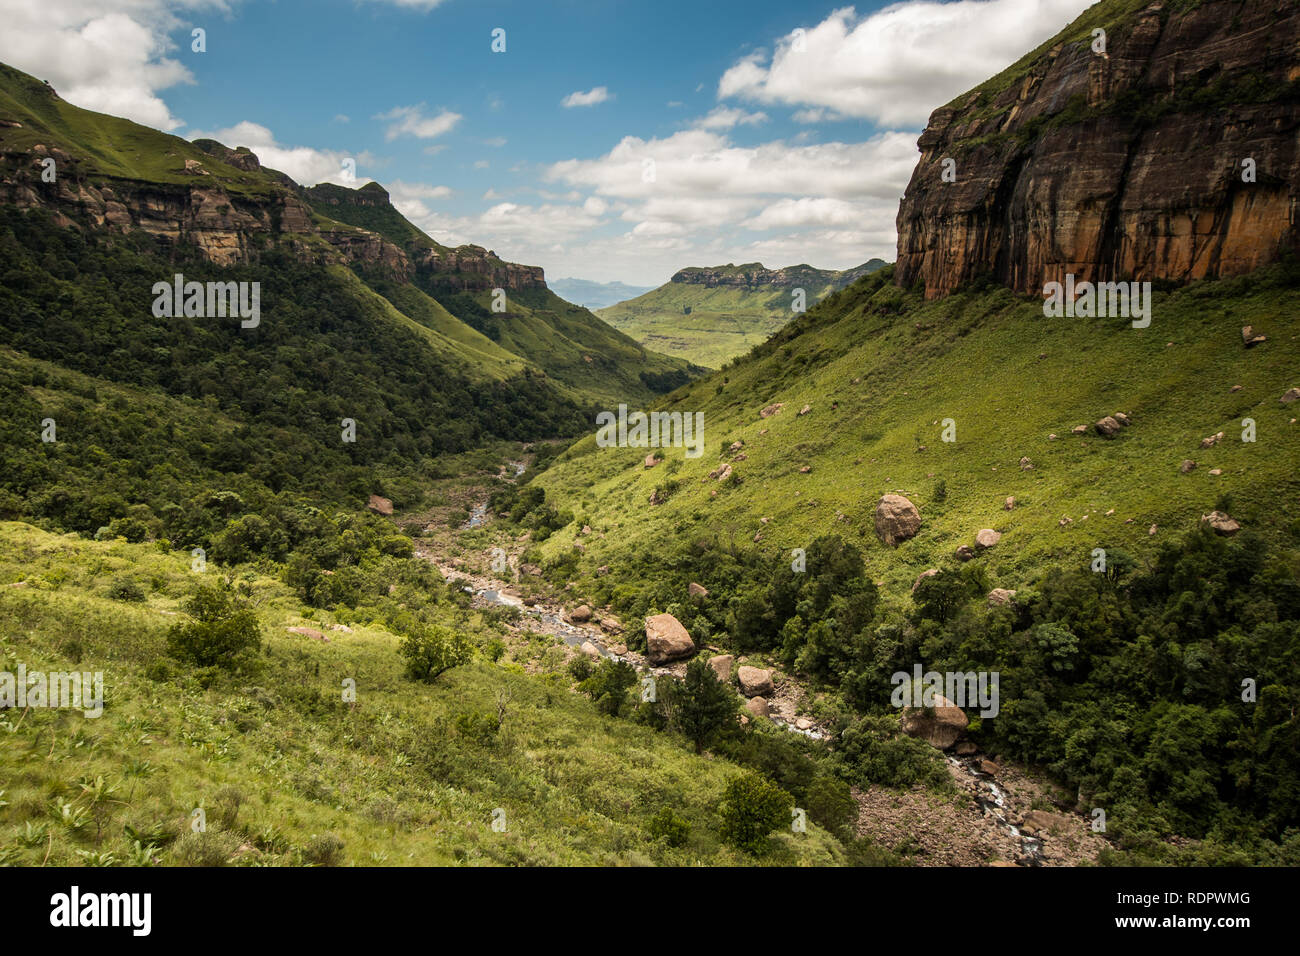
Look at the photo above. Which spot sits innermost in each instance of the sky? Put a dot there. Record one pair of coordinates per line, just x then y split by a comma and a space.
600, 139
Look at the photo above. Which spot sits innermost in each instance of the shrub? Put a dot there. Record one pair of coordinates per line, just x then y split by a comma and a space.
752, 808
608, 685
222, 631
431, 649
670, 827
125, 589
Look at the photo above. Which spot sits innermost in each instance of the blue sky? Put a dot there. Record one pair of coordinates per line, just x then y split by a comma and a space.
611, 140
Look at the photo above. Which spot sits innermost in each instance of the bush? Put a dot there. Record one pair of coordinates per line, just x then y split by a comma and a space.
125, 589
668, 826
608, 685
324, 850
222, 631
751, 809
431, 649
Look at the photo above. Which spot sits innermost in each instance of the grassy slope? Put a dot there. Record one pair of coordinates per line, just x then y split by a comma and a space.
724, 322
973, 358
386, 777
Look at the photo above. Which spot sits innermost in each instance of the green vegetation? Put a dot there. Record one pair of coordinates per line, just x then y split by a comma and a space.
711, 325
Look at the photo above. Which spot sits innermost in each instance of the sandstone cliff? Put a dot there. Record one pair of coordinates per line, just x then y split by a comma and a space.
1122, 164
754, 274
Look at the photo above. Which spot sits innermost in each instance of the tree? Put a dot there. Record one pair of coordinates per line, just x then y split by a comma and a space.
431, 649
608, 685
222, 631
701, 705
752, 807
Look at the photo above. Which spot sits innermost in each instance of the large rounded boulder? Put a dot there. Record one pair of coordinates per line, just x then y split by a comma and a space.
666, 640
896, 519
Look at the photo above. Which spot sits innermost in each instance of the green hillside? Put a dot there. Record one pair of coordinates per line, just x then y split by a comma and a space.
710, 325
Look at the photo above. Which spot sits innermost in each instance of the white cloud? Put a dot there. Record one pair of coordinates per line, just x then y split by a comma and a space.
593, 96
111, 56
342, 118
496, 142
808, 211
411, 4
896, 65
724, 118
303, 164
411, 121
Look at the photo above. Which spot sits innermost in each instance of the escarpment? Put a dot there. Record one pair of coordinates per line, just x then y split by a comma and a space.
1165, 148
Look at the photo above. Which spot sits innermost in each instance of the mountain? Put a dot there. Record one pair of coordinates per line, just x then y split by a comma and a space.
113, 175
596, 295
1170, 154
1079, 484
711, 315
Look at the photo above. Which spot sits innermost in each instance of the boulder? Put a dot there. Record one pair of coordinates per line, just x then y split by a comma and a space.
1107, 426
940, 729
651, 460
896, 519
1000, 596
1212, 440
666, 639
1026, 464
697, 592
1009, 503
590, 649
380, 505
721, 473
1121, 418
736, 445
1039, 821
1292, 394
805, 410
311, 632
964, 552
966, 748
580, 614
721, 664
988, 767
771, 410
758, 706
803, 723
1249, 338
1079, 430
1220, 523
927, 573
987, 538
1187, 465
755, 681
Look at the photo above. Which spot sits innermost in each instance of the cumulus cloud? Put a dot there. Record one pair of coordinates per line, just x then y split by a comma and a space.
724, 118
303, 164
411, 121
894, 66
113, 56
593, 96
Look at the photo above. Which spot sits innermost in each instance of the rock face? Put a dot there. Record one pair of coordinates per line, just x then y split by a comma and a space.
755, 681
666, 640
940, 730
750, 275
896, 519
1056, 174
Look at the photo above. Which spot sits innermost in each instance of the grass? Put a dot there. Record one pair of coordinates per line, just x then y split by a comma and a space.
898, 367
287, 773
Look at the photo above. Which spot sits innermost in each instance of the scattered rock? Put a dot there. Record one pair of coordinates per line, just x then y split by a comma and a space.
1000, 596
927, 573
1009, 503
1121, 418
805, 410
1290, 396
758, 706
1079, 430
1187, 465
1152, 530
651, 460
580, 614
1216, 472
721, 664
1026, 464
1108, 426
380, 505
966, 748
1248, 337
1052, 436
940, 730
666, 639
988, 767
771, 410
803, 723
963, 552
1220, 523
755, 681
986, 538
737, 445
805, 469
1212, 440
620, 650
590, 649
1235, 388
721, 473
896, 519
311, 632
1038, 821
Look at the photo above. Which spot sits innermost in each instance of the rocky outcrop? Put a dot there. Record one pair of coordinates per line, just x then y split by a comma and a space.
1172, 155
754, 274
940, 727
